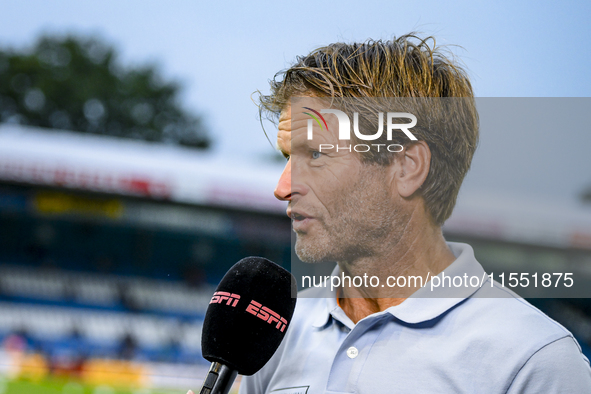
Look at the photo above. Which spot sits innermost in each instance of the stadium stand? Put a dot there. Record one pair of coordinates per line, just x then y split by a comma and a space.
110, 250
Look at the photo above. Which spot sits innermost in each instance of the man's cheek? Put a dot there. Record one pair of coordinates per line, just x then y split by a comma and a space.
337, 174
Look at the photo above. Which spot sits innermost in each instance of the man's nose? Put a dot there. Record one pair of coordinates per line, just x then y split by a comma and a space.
283, 188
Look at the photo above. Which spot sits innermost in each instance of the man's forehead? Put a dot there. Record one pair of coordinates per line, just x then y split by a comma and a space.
285, 113
284, 133
298, 106
296, 113
285, 120
294, 119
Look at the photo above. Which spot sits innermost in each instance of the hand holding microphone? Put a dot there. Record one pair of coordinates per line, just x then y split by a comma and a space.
246, 321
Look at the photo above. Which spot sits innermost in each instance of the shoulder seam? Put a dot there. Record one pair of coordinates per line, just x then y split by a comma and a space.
533, 354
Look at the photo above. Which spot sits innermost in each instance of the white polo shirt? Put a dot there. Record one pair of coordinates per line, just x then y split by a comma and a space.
485, 340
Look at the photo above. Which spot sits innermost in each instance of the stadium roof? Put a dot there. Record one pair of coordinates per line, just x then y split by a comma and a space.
135, 168
157, 171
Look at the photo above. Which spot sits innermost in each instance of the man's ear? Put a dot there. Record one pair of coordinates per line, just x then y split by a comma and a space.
412, 166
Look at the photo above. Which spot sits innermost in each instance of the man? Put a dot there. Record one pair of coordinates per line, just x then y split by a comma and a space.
375, 204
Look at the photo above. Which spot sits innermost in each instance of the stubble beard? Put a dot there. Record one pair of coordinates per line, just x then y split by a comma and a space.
361, 224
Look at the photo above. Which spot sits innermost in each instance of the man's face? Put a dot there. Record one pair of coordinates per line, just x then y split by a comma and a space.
341, 209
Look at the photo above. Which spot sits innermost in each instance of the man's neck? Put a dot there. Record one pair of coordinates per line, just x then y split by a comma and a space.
420, 252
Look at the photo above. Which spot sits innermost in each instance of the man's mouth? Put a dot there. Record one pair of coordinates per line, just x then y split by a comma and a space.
297, 216
299, 220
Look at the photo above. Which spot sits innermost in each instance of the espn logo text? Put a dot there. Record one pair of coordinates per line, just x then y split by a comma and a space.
266, 314
221, 296
254, 308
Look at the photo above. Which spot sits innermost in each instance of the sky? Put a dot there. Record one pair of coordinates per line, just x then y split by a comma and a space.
222, 52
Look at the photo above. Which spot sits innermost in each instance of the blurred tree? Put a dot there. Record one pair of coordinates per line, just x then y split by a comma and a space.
586, 195
76, 84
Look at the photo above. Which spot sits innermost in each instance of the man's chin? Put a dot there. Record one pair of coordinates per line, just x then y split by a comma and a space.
310, 252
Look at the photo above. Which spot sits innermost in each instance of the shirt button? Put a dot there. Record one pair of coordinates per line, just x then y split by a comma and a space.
352, 352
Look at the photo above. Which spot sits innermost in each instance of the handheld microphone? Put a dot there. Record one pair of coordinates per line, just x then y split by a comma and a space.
246, 321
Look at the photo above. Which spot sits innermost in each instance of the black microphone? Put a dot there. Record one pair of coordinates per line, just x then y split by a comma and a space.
246, 321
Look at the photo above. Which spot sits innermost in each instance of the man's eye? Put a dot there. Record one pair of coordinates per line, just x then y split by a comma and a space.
316, 154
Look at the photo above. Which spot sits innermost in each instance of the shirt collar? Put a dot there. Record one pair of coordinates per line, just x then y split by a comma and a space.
330, 306
426, 303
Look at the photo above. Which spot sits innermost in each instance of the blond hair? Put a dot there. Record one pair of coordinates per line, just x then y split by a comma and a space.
416, 73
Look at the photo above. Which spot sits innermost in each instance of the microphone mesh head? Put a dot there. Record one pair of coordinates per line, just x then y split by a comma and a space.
248, 315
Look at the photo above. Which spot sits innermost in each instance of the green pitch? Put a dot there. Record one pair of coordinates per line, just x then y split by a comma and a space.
54, 386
